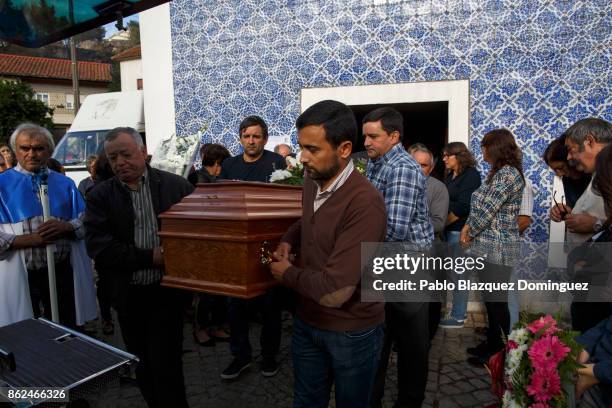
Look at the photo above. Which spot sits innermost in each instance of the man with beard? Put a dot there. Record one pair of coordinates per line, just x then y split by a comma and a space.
336, 337
404, 187
254, 164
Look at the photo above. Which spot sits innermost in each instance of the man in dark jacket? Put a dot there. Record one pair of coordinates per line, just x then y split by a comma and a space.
121, 233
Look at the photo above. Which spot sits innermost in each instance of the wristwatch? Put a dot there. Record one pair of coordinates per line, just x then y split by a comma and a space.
598, 225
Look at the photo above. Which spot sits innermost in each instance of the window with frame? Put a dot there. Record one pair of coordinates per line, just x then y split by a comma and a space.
69, 101
43, 97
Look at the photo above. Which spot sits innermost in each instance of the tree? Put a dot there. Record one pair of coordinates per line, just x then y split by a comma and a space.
17, 105
97, 35
133, 28
115, 85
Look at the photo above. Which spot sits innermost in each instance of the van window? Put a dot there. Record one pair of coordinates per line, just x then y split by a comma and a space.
75, 147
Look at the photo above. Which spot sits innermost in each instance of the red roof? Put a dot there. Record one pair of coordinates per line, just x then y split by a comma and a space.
25, 66
129, 54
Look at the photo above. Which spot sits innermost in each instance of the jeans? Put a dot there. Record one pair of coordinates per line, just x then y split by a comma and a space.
322, 358
460, 297
239, 312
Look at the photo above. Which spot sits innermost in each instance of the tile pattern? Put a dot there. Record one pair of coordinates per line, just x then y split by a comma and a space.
535, 66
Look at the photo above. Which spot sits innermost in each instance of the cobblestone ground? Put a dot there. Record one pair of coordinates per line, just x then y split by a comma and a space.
451, 383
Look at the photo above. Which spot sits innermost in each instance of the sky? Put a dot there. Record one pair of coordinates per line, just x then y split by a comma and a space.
111, 29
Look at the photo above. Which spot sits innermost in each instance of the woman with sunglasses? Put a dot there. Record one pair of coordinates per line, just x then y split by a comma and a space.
574, 181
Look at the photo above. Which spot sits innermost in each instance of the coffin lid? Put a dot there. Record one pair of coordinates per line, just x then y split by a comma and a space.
239, 201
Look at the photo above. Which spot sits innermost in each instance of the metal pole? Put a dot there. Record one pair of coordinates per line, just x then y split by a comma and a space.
75, 76
73, 63
44, 200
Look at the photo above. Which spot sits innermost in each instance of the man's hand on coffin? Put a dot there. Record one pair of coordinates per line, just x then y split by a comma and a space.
158, 257
282, 251
52, 230
282, 263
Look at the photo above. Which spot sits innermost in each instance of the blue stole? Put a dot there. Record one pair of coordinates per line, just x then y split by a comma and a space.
18, 201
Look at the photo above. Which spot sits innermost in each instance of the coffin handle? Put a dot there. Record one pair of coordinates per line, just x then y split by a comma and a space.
265, 256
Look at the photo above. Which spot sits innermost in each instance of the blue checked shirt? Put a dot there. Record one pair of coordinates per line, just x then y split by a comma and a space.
494, 210
404, 187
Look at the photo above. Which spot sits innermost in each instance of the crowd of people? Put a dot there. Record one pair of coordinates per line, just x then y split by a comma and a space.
337, 338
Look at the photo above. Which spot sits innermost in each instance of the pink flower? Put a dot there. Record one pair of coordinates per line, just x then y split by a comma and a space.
511, 345
546, 323
545, 385
547, 352
539, 405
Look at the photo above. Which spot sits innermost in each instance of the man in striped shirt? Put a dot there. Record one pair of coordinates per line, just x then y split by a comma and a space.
121, 232
404, 187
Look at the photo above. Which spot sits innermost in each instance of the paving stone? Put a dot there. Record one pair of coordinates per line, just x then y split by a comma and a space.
478, 383
447, 402
464, 386
449, 389
483, 395
451, 381
466, 400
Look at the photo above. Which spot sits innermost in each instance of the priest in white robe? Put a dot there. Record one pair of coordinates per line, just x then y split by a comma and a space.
24, 235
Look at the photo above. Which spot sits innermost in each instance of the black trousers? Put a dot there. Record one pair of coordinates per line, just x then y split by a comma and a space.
496, 303
103, 291
38, 280
240, 311
435, 308
407, 326
152, 327
211, 311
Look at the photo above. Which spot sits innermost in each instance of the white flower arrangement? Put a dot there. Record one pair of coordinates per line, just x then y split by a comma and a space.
280, 175
292, 175
519, 336
175, 154
509, 402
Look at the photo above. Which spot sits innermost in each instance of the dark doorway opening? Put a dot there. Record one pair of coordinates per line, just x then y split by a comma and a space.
424, 122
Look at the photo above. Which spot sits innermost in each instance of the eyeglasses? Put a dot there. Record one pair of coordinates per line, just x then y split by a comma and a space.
445, 155
561, 206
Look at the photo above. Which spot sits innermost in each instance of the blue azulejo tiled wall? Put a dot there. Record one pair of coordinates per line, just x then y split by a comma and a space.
534, 66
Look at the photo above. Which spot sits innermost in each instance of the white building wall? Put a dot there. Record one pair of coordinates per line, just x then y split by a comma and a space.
156, 49
131, 72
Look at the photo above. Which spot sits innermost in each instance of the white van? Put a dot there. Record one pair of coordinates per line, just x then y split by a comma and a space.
98, 114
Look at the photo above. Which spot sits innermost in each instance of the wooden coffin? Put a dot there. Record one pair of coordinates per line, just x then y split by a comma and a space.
213, 238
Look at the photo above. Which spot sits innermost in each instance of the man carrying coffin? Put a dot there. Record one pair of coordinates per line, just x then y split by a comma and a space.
254, 164
337, 338
122, 224
24, 235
